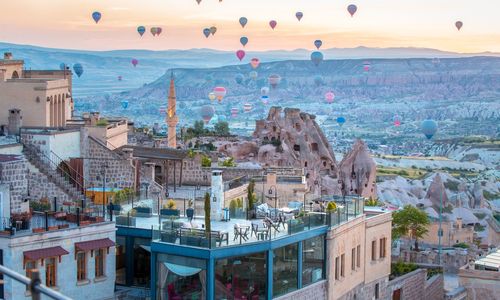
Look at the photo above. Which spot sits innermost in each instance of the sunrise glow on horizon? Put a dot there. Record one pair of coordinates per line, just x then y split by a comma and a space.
386, 23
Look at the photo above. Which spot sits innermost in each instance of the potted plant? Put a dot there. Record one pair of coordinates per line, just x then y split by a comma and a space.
170, 209
143, 211
190, 210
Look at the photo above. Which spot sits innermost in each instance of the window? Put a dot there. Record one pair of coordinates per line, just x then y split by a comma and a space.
377, 292
99, 263
337, 268
285, 270
358, 256
353, 259
313, 260
50, 272
81, 266
374, 250
30, 266
382, 247
296, 147
342, 265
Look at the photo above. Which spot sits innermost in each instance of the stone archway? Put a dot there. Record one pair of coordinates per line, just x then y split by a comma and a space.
15, 75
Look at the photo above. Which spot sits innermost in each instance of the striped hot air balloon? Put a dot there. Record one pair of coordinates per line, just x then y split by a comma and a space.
247, 107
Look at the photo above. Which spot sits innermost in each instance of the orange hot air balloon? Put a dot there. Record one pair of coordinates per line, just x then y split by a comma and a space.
254, 62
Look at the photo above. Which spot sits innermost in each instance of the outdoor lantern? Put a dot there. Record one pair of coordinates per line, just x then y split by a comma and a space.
270, 191
214, 199
166, 193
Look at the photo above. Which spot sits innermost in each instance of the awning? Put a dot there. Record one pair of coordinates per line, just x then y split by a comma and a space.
183, 271
44, 253
94, 245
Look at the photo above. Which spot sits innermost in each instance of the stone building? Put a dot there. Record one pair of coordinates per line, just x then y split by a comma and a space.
14, 173
454, 232
481, 278
38, 97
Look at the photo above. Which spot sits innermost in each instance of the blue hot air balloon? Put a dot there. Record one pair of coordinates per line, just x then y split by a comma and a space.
317, 57
124, 104
318, 80
206, 32
429, 128
78, 69
239, 78
141, 30
96, 16
62, 66
318, 44
244, 40
243, 21
264, 99
341, 121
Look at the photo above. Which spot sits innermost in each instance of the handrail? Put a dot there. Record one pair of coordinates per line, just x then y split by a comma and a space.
34, 284
59, 160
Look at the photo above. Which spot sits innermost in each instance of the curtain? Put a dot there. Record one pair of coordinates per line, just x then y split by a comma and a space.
163, 281
203, 280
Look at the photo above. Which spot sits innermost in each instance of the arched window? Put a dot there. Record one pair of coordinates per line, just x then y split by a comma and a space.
15, 75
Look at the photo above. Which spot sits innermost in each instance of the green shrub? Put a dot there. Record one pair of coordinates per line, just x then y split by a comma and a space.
229, 163
102, 123
331, 207
461, 245
400, 268
206, 161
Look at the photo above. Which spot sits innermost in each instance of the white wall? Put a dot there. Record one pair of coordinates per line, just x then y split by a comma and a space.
64, 144
4, 204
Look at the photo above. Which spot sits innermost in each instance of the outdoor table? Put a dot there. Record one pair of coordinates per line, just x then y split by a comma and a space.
242, 232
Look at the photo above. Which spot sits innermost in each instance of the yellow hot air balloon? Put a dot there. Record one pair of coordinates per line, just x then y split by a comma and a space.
211, 96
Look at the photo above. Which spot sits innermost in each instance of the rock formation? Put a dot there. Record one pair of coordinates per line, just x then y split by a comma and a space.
477, 196
357, 172
436, 191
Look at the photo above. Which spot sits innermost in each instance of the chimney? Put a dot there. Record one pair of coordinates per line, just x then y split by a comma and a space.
7, 55
15, 121
217, 196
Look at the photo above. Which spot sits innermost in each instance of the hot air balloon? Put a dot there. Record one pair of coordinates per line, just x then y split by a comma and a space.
274, 80
211, 96
264, 99
316, 57
397, 121
213, 30
255, 62
124, 104
318, 80
162, 110
119, 78
341, 121
299, 15
222, 118
239, 78
264, 91
158, 30
206, 32
273, 24
134, 62
141, 30
366, 66
436, 61
244, 40
253, 75
247, 107
96, 16
429, 128
329, 96
318, 44
459, 24
206, 113
154, 31
198, 1
352, 9
240, 54
78, 69
62, 66
243, 22
219, 92
234, 112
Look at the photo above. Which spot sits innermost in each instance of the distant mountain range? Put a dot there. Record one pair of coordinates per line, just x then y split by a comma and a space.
102, 68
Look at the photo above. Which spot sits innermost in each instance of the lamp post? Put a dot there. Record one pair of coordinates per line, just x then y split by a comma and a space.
440, 230
270, 192
196, 188
104, 198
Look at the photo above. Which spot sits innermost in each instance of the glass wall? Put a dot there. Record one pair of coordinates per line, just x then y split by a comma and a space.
313, 260
142, 262
285, 268
180, 277
121, 266
242, 277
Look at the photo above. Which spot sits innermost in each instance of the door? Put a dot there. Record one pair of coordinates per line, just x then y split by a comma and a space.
396, 295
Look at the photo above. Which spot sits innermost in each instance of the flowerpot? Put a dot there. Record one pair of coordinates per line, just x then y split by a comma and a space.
169, 212
84, 223
53, 228
63, 226
38, 230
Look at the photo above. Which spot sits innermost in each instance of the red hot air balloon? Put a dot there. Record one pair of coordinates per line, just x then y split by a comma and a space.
459, 25
366, 66
240, 54
219, 92
135, 62
158, 30
255, 62
352, 9
273, 24
329, 96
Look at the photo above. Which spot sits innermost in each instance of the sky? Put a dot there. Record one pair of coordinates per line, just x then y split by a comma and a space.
377, 23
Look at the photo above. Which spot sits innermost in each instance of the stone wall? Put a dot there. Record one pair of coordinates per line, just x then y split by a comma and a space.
367, 291
434, 288
480, 284
316, 291
40, 187
411, 285
120, 173
452, 260
14, 173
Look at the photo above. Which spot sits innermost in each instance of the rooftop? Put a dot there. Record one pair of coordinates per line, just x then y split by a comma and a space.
9, 158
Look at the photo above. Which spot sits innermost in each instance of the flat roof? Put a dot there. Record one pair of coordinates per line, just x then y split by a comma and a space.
155, 153
491, 260
9, 158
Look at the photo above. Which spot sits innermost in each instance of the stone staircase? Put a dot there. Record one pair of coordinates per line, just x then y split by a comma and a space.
53, 172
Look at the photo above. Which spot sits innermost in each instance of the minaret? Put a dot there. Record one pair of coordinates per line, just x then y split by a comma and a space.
172, 118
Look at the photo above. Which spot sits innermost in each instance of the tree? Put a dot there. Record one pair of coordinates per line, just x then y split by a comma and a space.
198, 128
221, 128
411, 222
251, 195
207, 214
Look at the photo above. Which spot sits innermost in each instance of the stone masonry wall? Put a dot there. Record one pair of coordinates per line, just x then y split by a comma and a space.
40, 187
367, 291
434, 288
412, 285
14, 173
316, 291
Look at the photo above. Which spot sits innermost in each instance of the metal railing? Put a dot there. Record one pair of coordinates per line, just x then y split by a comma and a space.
34, 284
